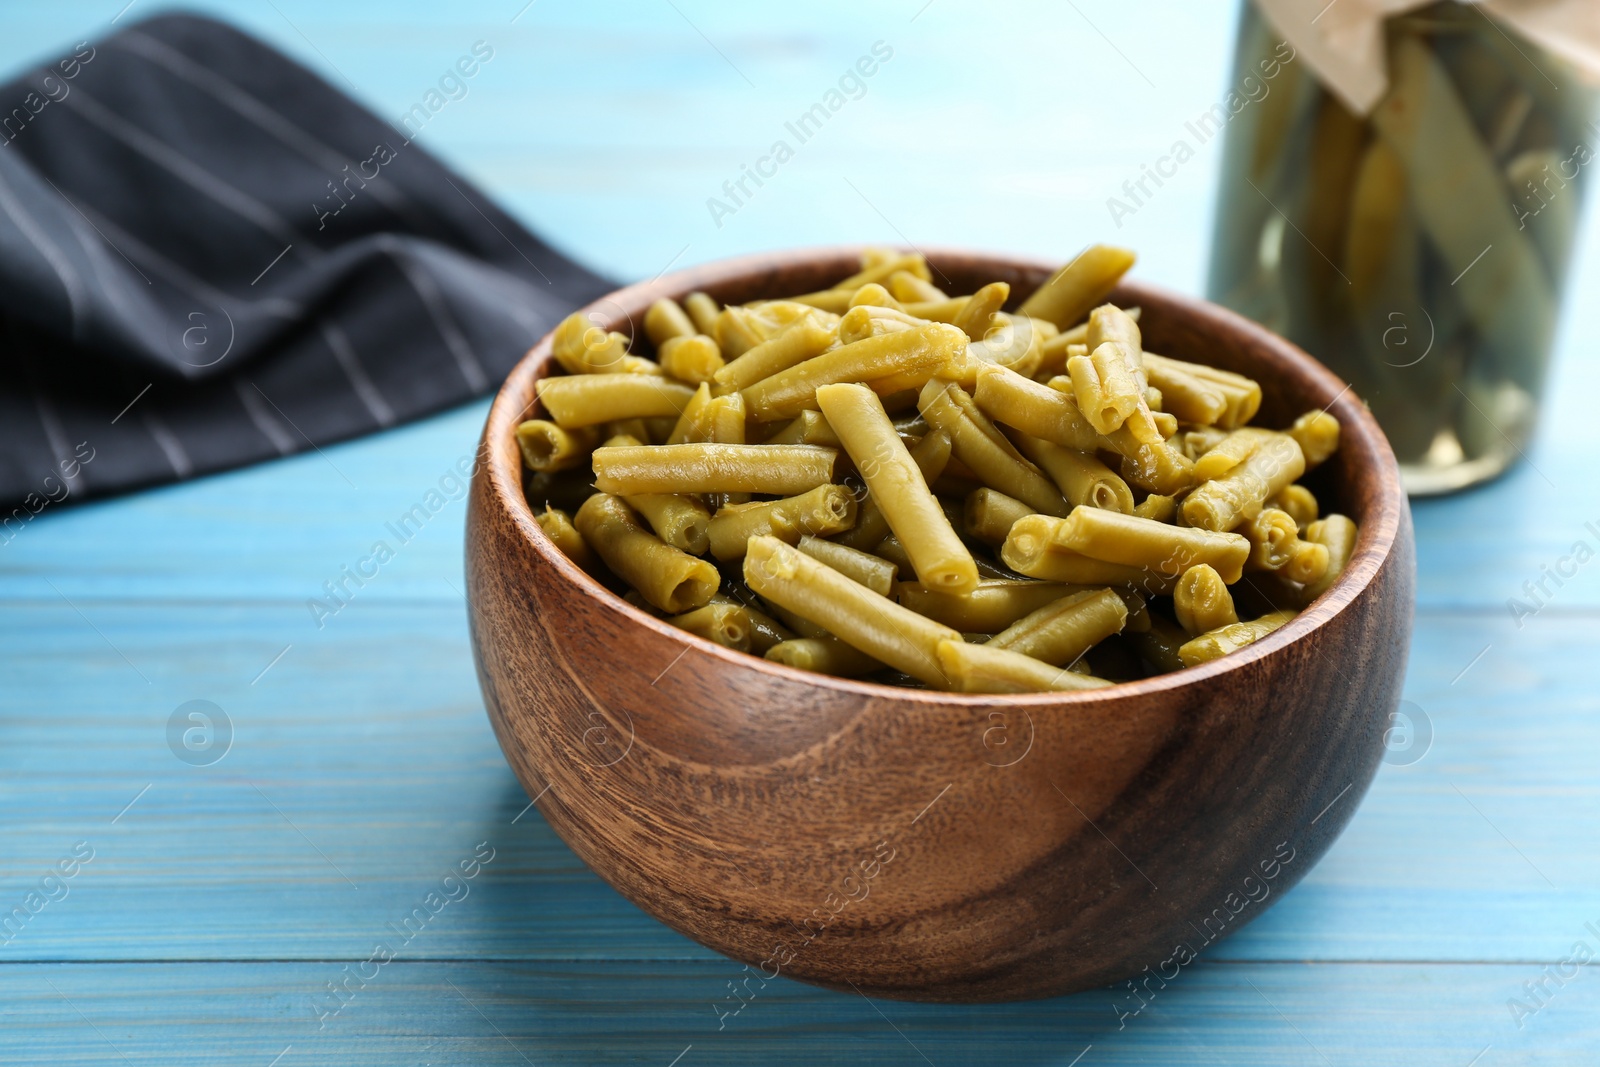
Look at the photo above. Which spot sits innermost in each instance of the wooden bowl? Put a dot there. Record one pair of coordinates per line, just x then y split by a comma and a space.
931, 846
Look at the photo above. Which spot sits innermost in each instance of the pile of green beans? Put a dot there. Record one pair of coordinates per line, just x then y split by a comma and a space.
884, 481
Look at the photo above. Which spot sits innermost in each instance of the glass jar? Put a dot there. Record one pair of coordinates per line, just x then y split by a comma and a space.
1419, 251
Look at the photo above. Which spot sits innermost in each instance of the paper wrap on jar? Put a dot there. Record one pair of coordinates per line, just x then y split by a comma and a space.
1342, 41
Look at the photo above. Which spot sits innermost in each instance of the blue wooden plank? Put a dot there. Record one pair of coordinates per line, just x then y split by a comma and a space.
1432, 1015
562, 146
345, 797
272, 532
714, 84
364, 753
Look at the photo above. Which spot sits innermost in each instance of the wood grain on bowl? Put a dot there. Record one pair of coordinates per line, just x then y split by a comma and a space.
928, 845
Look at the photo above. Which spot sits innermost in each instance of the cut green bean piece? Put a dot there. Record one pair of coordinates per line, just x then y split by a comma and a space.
781, 470
1082, 284
982, 669
1064, 629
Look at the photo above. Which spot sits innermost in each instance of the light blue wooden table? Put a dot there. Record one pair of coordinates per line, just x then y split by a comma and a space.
222, 900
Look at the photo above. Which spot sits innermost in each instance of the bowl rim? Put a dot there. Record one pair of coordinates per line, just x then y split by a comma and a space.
1376, 536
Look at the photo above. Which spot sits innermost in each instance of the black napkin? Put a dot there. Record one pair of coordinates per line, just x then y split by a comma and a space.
210, 256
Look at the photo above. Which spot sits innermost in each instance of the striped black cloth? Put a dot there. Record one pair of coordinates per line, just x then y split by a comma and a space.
210, 256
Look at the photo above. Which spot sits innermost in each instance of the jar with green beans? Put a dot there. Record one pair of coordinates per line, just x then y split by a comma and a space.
1419, 251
